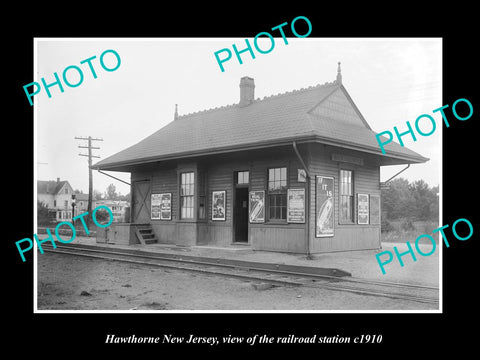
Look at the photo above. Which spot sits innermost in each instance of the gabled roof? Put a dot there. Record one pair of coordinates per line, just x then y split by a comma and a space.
50, 187
298, 115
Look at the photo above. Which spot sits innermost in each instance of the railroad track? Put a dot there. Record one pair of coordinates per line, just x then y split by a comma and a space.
250, 272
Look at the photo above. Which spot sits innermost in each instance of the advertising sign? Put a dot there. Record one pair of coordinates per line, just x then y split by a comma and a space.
161, 206
362, 209
218, 205
296, 206
324, 206
256, 202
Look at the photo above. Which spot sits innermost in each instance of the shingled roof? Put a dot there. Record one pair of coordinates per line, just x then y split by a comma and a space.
49, 186
298, 115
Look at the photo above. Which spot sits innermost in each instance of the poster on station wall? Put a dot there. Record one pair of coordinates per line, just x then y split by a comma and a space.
301, 175
256, 206
296, 206
324, 206
161, 206
363, 209
155, 206
218, 205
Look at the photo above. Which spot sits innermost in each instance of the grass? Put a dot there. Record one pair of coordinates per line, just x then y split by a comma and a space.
399, 231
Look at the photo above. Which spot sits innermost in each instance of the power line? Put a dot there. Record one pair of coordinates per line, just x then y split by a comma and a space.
90, 177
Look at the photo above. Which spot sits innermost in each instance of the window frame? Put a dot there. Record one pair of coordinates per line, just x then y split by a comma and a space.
243, 183
342, 186
191, 195
277, 193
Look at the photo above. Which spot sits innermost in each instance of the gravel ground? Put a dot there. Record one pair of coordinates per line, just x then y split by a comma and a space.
76, 283
361, 264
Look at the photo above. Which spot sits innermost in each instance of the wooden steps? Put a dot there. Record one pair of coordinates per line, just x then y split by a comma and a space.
145, 234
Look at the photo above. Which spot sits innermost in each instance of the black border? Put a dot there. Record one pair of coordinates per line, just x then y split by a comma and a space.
84, 334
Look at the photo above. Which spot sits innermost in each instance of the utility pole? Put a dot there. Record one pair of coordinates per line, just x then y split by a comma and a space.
90, 178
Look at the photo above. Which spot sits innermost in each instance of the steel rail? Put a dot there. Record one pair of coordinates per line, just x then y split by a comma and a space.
305, 278
176, 267
203, 263
193, 261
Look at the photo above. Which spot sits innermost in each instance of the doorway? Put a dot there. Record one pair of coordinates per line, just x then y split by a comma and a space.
140, 202
241, 215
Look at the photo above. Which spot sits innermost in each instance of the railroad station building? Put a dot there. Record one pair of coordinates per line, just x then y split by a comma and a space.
295, 172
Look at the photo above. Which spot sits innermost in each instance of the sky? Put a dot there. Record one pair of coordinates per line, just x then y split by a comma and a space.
391, 80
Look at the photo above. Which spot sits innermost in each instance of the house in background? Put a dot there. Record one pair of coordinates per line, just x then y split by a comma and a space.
81, 203
118, 207
57, 197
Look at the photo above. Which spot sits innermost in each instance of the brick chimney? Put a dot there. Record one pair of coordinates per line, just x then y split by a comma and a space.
247, 91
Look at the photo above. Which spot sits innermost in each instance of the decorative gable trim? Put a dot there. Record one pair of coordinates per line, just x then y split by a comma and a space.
330, 108
356, 108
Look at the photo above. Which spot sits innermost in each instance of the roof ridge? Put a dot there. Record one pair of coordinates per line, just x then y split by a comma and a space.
207, 110
301, 90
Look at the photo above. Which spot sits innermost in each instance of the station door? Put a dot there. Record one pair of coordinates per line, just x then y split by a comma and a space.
141, 192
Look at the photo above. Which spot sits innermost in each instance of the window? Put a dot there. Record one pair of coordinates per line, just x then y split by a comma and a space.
66, 203
243, 177
346, 196
277, 193
54, 203
187, 185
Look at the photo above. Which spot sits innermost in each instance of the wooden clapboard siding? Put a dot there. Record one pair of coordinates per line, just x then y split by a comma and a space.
185, 233
283, 238
366, 179
273, 236
345, 239
165, 181
219, 176
218, 234
202, 233
258, 177
165, 231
